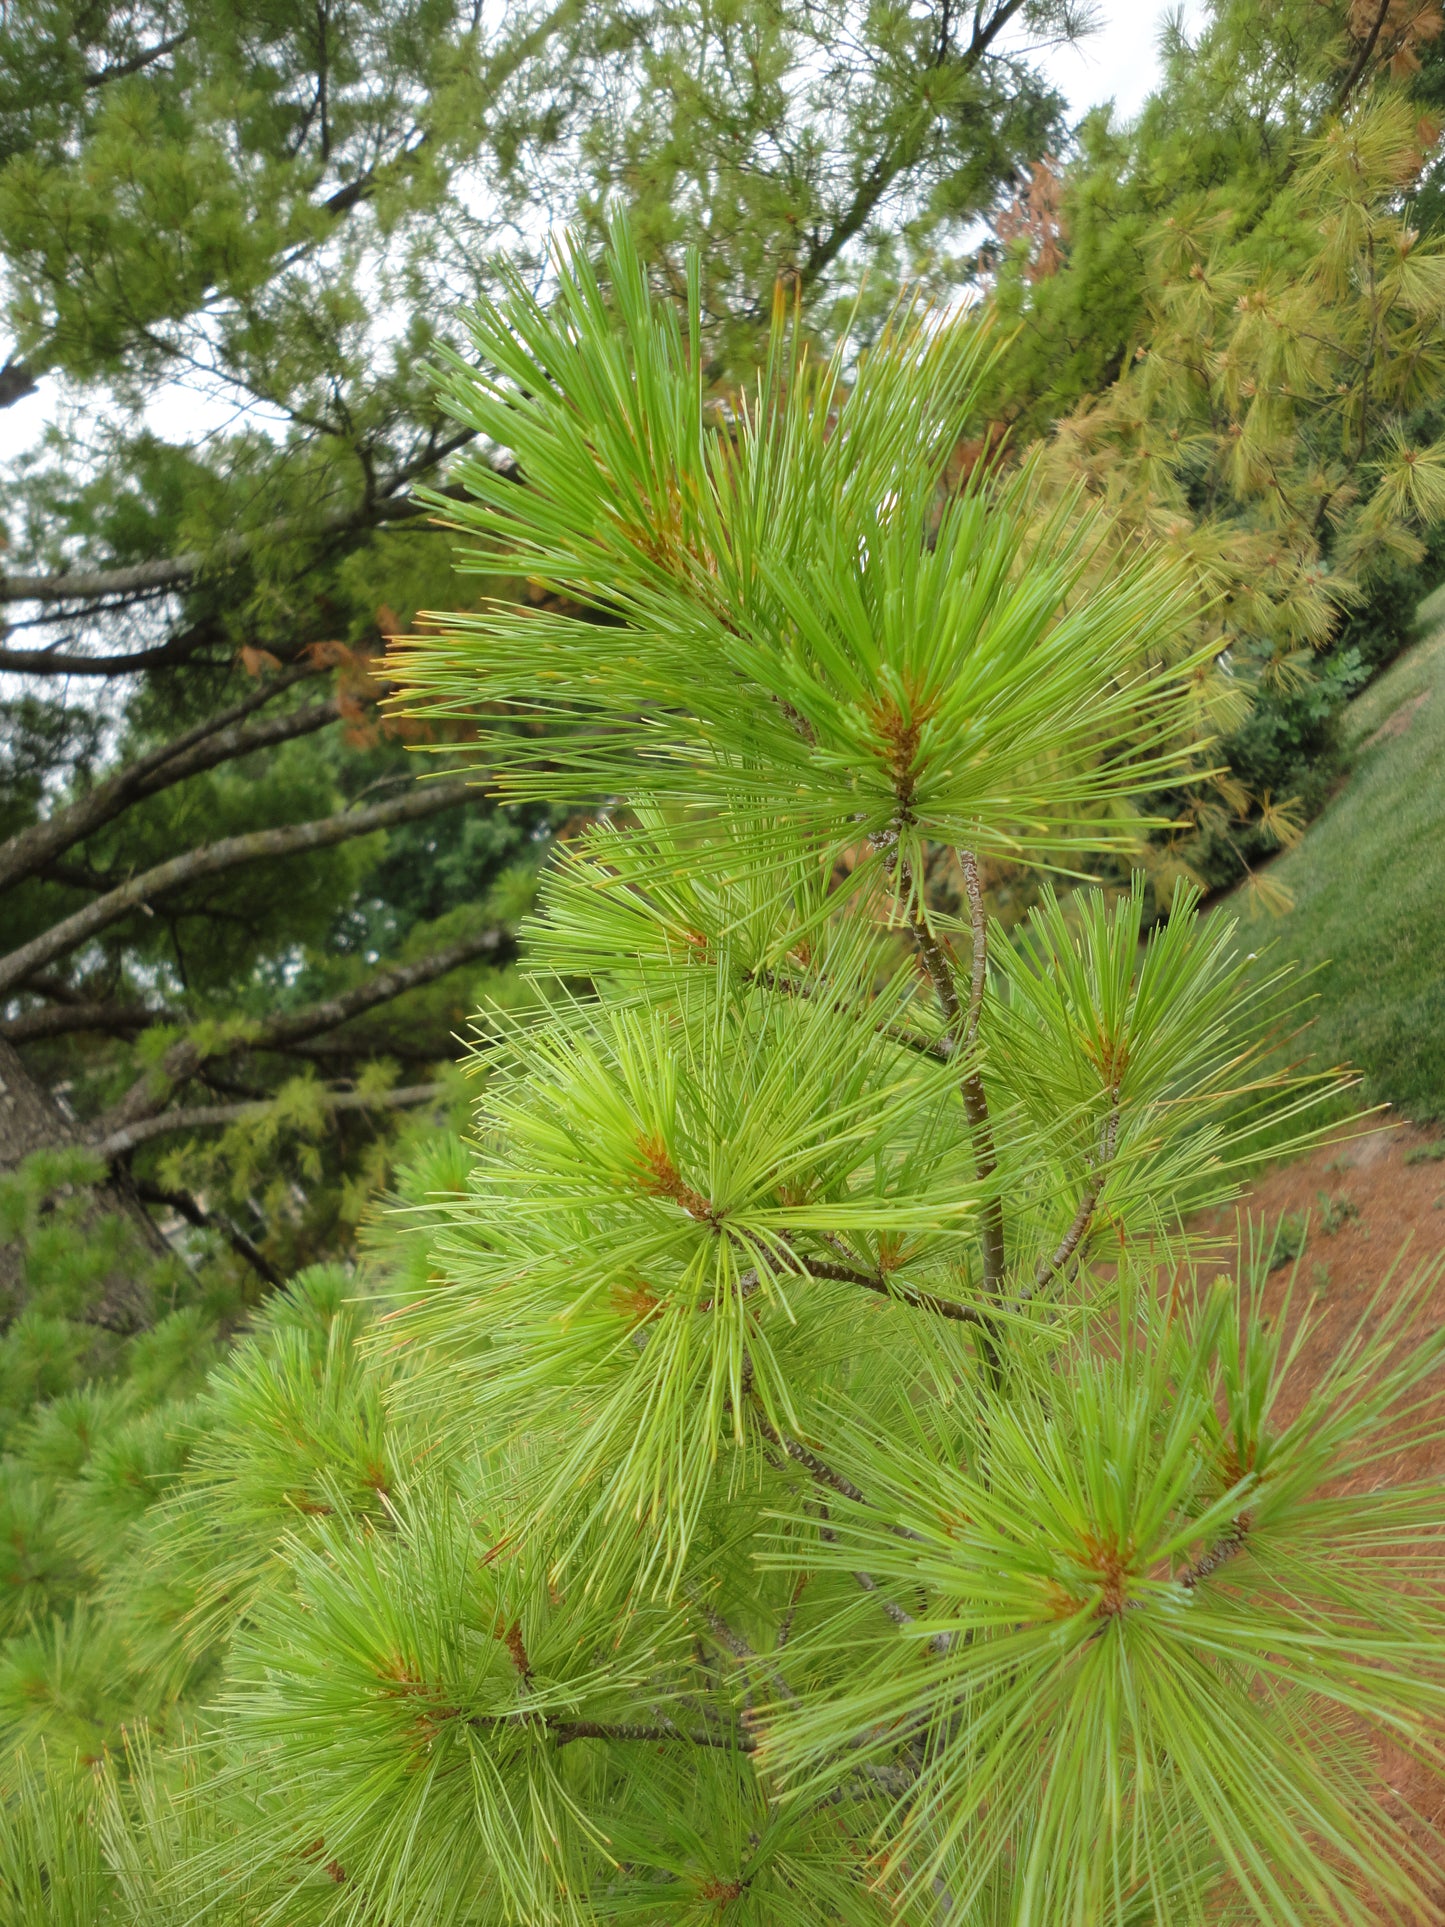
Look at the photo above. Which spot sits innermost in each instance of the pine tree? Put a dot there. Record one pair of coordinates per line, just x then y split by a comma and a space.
805, 1475
1226, 324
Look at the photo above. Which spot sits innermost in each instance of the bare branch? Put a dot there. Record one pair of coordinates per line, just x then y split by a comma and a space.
54, 660
896, 159
205, 1117
17, 380
565, 1731
939, 1047
1362, 59
215, 741
231, 851
739, 1646
808, 1459
138, 62
1048, 1266
878, 1282
936, 962
978, 919
1224, 1549
1069, 1243
186, 1206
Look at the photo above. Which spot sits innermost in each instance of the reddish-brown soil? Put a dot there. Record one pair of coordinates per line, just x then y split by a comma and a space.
1374, 1201
1387, 1190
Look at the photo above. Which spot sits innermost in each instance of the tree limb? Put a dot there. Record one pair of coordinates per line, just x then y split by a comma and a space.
215, 741
1056, 1260
17, 380
152, 1091
878, 1282
938, 1047
1362, 59
203, 1117
64, 1019
54, 661
975, 1098
889, 165
138, 62
1221, 1551
565, 1731
210, 859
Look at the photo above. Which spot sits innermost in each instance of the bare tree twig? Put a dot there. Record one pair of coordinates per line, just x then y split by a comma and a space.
1362, 59
1223, 1549
138, 62
1056, 1260
183, 1203
905, 1294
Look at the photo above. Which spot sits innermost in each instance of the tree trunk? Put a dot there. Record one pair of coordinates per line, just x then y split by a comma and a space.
31, 1120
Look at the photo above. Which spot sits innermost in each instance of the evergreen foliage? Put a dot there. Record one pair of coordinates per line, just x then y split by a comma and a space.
1228, 323
800, 1477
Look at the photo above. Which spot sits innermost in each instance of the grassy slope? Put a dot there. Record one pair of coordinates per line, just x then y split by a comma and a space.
1368, 882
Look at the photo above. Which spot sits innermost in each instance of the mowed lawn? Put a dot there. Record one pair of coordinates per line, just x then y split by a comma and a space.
1368, 883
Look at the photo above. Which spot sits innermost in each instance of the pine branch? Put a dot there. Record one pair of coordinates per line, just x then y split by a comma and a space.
1218, 1554
218, 740
739, 1646
64, 1020
808, 1459
1362, 59
175, 651
205, 1117
564, 1732
940, 1047
900, 155
17, 380
1049, 1266
213, 858
151, 1092
138, 62
960, 1025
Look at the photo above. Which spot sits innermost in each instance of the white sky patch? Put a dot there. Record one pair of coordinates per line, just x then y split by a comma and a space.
1120, 62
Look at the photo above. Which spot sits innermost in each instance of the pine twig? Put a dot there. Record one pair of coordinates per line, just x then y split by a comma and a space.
879, 1282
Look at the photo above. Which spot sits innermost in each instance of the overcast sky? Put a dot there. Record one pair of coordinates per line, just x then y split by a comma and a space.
1121, 61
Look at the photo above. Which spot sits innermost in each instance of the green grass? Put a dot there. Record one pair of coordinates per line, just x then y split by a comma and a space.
1368, 884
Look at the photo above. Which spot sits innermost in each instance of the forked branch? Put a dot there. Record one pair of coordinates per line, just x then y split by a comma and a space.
212, 858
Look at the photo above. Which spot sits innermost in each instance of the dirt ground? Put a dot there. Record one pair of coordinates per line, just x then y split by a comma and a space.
1372, 1200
